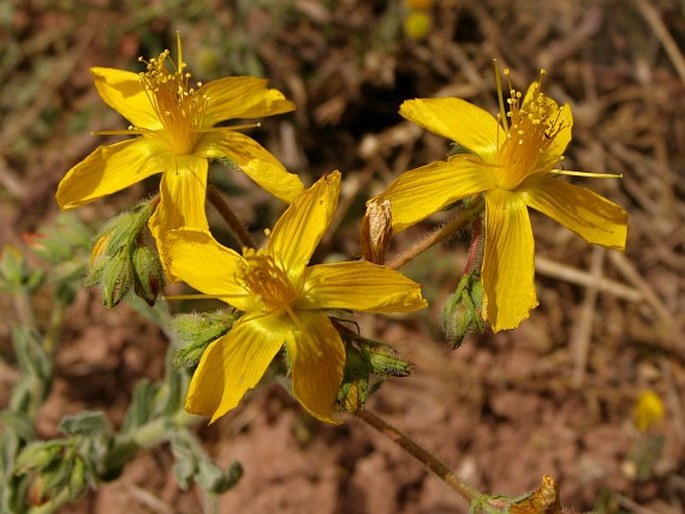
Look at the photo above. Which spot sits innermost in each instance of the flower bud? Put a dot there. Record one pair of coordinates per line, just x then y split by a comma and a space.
194, 332
147, 273
462, 312
37, 456
376, 231
367, 364
117, 278
77, 480
385, 361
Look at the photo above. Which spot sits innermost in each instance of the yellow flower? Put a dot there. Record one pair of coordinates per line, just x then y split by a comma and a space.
511, 161
285, 302
649, 410
175, 127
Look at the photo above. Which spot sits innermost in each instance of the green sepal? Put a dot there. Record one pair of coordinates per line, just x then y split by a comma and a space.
195, 331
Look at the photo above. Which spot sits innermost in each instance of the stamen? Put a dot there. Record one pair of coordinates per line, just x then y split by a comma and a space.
267, 279
201, 296
498, 81
179, 51
587, 174
246, 126
123, 132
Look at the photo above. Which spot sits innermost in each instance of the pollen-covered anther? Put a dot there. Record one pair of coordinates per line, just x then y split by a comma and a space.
180, 108
264, 277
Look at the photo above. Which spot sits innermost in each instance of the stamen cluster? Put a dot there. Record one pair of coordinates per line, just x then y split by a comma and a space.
531, 128
180, 108
264, 277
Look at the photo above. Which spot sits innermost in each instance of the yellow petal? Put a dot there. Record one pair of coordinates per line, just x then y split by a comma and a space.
124, 92
195, 257
508, 267
107, 170
241, 97
300, 228
182, 196
591, 216
472, 127
418, 193
253, 159
232, 365
360, 286
317, 358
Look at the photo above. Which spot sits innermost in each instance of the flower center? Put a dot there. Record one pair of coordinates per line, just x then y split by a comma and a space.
530, 128
267, 279
180, 108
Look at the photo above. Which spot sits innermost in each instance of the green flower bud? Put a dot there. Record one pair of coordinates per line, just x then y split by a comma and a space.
117, 278
385, 361
367, 364
38, 456
78, 479
462, 312
194, 332
147, 273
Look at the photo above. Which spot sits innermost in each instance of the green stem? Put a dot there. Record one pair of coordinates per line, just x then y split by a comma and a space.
426, 458
24, 309
220, 204
147, 436
460, 221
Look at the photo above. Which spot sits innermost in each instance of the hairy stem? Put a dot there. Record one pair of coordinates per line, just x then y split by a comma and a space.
459, 222
220, 204
426, 458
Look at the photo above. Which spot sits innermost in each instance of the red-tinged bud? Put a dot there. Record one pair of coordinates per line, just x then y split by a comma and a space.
148, 274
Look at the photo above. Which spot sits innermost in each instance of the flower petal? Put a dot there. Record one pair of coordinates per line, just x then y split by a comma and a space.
241, 97
232, 365
360, 286
458, 120
317, 358
124, 92
253, 159
182, 196
508, 261
591, 216
300, 228
195, 257
109, 169
418, 193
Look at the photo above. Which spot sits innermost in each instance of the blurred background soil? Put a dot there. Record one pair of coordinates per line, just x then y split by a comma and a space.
557, 396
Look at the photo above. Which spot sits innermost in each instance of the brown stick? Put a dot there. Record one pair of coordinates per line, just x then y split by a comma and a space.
220, 204
419, 453
436, 237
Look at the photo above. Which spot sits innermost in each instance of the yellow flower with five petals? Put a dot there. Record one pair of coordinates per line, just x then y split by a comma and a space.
284, 303
175, 124
511, 161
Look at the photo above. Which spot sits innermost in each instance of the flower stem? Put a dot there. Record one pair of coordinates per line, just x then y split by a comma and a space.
426, 458
459, 222
236, 226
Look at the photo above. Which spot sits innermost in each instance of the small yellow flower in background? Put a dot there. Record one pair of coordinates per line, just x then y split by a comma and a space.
418, 20
511, 161
649, 409
284, 302
175, 127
